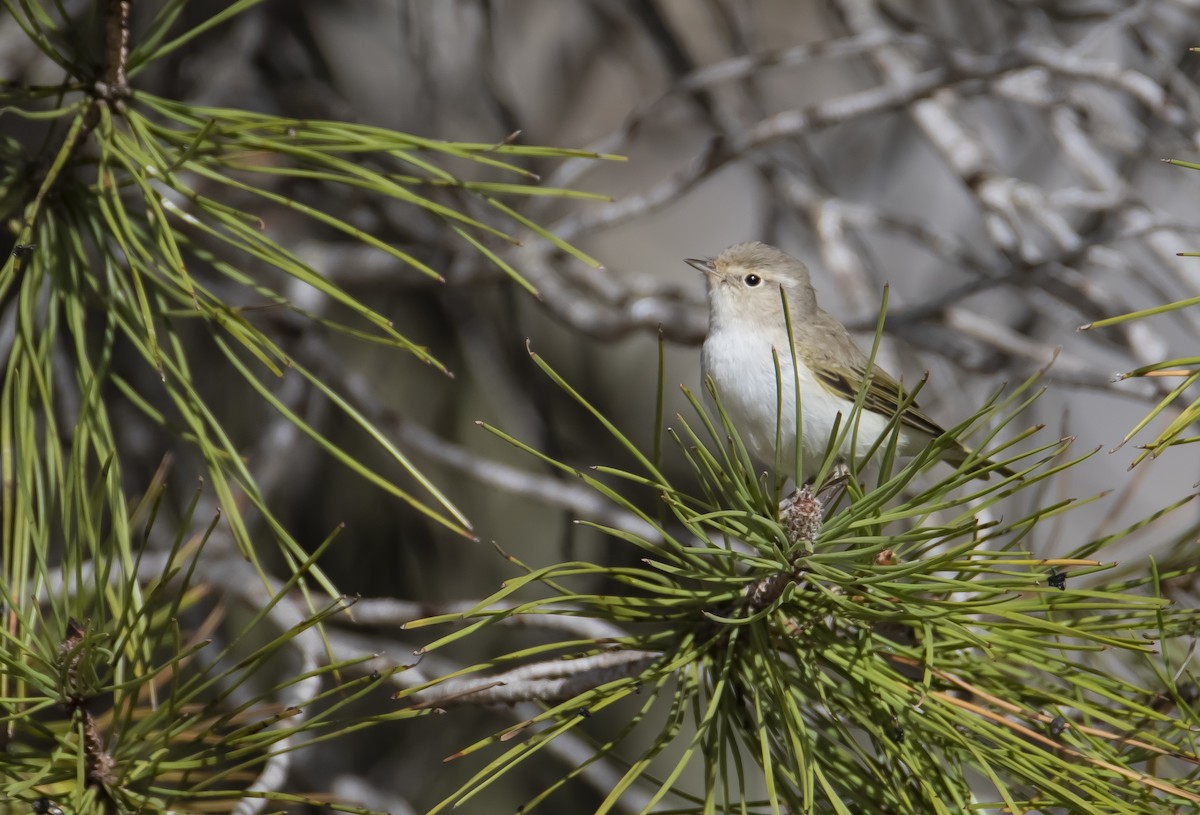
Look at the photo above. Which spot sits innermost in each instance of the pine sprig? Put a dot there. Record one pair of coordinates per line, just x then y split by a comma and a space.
141, 221
160, 683
145, 254
897, 655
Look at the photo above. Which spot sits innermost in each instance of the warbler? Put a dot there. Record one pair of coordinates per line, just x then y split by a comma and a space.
747, 331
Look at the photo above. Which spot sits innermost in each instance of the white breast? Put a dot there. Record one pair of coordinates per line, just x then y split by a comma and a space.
758, 400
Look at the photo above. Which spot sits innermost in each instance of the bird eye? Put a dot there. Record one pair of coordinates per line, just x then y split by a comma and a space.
752, 280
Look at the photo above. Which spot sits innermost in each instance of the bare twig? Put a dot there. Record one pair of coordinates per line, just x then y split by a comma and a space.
551, 681
113, 83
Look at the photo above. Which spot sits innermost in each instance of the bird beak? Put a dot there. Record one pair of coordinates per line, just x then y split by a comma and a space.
704, 265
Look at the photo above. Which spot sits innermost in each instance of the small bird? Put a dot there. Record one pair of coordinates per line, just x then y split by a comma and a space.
746, 324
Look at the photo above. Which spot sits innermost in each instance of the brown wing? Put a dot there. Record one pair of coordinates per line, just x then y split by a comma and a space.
839, 363
884, 395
